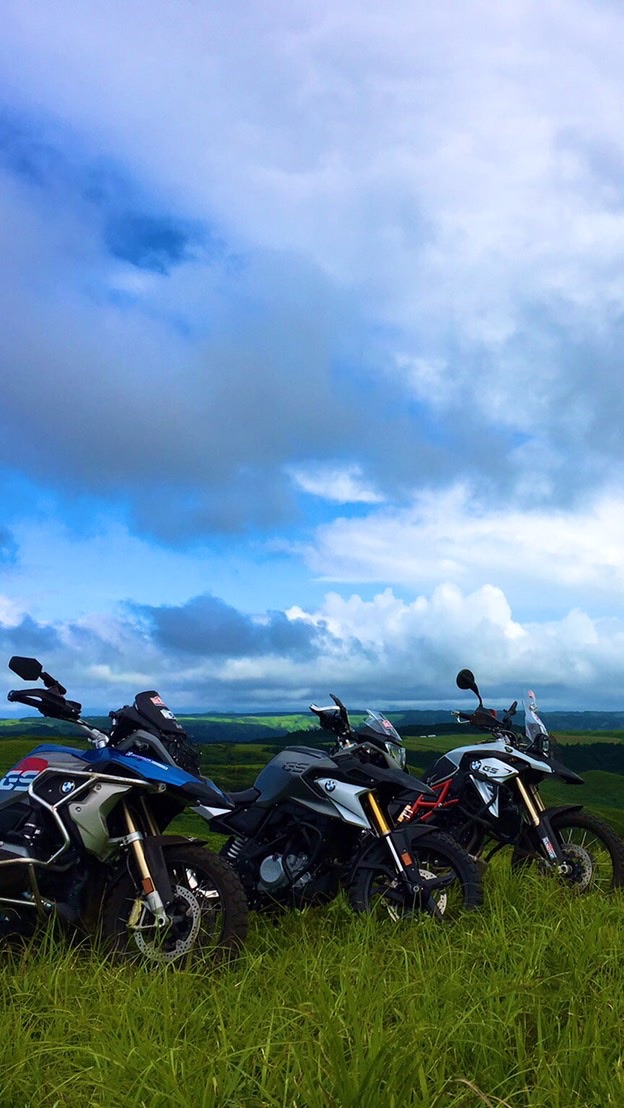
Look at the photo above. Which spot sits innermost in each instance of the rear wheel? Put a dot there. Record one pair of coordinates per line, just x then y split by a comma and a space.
593, 853
451, 881
208, 912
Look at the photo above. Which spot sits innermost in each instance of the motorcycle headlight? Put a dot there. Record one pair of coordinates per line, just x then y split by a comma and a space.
398, 754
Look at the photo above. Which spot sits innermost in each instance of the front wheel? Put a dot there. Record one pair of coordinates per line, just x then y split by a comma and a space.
593, 853
208, 912
451, 881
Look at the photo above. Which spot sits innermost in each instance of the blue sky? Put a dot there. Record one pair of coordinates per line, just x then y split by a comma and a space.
311, 339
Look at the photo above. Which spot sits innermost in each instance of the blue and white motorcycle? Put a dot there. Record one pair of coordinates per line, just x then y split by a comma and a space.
82, 834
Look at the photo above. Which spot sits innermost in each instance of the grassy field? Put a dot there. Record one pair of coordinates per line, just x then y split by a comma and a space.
517, 1005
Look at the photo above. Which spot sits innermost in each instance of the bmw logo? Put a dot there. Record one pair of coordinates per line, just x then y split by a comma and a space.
330, 786
67, 787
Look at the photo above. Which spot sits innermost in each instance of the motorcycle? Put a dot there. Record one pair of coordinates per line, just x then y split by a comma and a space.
81, 834
487, 797
314, 823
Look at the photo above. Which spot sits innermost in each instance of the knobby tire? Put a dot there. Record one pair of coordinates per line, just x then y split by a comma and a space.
200, 877
377, 888
597, 839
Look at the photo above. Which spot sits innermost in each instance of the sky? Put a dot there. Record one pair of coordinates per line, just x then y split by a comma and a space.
311, 329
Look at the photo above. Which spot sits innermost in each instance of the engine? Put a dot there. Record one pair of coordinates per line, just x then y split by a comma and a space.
279, 870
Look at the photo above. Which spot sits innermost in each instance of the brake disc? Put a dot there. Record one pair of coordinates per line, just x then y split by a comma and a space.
582, 867
178, 937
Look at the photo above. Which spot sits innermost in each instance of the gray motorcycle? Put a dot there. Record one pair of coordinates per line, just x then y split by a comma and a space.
315, 822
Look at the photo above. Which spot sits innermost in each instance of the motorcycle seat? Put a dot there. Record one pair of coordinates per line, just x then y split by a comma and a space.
245, 797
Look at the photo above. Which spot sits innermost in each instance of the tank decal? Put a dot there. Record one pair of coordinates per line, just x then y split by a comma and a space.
22, 775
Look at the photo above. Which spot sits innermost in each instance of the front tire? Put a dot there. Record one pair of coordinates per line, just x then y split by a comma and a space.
208, 913
452, 881
593, 851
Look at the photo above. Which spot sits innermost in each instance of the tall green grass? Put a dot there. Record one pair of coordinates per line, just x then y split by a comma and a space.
518, 1004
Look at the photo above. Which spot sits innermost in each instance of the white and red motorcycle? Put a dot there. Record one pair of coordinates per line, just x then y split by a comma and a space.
487, 797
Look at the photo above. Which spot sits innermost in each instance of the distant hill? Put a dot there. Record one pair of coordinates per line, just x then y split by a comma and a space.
555, 721
583, 721
255, 727
203, 729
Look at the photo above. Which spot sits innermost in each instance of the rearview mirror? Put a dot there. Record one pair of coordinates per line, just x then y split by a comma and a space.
29, 669
465, 679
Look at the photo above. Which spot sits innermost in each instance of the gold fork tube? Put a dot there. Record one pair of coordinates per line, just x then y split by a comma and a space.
136, 845
382, 824
529, 802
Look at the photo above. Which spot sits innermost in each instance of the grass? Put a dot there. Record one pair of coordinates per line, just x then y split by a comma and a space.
518, 1004
287, 721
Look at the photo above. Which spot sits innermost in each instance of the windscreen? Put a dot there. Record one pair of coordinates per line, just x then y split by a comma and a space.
381, 726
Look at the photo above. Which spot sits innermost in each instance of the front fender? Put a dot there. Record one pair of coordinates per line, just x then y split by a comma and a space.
559, 810
375, 850
371, 853
165, 841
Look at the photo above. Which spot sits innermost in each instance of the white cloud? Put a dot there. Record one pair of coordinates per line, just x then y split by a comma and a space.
453, 536
11, 611
412, 649
341, 485
386, 651
420, 212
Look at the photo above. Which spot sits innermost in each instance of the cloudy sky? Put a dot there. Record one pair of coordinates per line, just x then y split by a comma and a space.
311, 335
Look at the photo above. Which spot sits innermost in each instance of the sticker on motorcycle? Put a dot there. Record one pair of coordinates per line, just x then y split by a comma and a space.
23, 774
493, 769
550, 850
159, 703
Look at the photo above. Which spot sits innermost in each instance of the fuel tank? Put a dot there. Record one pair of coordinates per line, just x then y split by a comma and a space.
281, 777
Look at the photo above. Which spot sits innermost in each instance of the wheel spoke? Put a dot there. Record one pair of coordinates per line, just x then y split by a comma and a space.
593, 854
208, 910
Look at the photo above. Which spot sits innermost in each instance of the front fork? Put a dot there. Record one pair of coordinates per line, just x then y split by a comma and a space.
136, 841
398, 846
535, 808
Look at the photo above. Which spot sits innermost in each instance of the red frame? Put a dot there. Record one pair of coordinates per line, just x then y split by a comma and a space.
423, 808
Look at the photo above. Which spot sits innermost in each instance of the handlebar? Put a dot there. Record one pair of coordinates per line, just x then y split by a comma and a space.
486, 720
47, 702
463, 717
334, 719
481, 717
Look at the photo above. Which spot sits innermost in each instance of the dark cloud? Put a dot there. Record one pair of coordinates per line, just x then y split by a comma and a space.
153, 361
113, 207
29, 153
148, 242
209, 627
192, 397
29, 639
